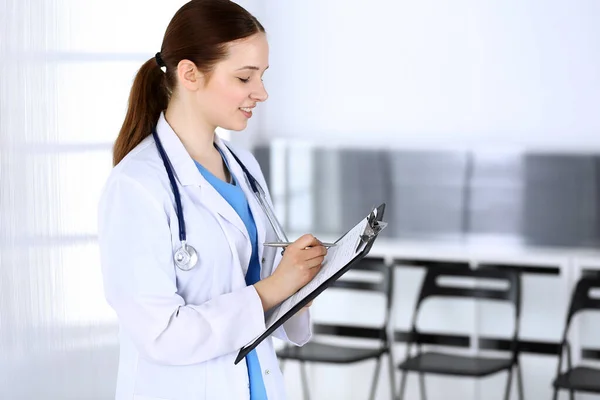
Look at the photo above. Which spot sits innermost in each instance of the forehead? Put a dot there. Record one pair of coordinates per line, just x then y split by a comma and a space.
251, 51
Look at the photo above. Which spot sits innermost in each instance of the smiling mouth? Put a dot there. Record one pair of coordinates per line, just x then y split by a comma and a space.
247, 112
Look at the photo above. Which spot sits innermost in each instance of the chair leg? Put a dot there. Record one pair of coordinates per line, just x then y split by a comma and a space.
392, 375
572, 394
555, 396
520, 382
508, 384
402, 384
304, 380
375, 379
422, 386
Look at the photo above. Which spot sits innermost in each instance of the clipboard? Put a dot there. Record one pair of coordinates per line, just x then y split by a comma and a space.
374, 225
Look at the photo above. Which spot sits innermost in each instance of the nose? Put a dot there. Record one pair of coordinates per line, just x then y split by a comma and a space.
260, 94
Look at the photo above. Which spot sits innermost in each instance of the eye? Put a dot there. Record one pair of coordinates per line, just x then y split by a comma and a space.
244, 80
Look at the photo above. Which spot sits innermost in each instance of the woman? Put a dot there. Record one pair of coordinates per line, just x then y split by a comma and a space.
184, 315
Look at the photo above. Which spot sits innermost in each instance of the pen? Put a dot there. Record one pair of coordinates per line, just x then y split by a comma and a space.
286, 244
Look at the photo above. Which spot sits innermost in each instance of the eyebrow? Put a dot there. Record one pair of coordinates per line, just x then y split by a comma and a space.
253, 67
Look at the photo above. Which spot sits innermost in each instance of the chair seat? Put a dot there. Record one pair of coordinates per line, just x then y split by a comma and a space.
583, 379
448, 364
320, 352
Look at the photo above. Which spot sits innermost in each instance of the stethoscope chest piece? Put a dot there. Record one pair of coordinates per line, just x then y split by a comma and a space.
186, 257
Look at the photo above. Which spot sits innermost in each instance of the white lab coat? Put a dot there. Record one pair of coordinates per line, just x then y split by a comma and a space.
181, 331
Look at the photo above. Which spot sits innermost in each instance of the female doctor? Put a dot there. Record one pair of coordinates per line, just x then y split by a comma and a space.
181, 227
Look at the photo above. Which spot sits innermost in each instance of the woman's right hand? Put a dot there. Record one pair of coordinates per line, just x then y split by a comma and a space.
301, 261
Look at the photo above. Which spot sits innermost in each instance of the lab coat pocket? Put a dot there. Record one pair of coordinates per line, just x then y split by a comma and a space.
225, 380
170, 382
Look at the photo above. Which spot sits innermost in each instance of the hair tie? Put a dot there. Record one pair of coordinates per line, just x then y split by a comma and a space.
160, 61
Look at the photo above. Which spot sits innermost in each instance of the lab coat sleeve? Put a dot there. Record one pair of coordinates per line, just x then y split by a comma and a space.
298, 329
140, 285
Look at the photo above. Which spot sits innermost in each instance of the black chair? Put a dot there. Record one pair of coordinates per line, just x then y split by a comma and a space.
578, 379
459, 365
317, 352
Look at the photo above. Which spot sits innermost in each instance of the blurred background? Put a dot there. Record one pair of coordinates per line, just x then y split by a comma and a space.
475, 121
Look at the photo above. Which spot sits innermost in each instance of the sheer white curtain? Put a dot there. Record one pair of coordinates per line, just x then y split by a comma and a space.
66, 68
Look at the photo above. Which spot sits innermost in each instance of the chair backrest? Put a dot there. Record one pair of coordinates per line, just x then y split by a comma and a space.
381, 281
432, 287
581, 299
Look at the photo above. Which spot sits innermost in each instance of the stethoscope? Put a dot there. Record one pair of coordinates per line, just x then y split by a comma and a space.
186, 256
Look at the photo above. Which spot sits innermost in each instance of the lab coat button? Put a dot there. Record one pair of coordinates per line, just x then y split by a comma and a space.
267, 372
263, 260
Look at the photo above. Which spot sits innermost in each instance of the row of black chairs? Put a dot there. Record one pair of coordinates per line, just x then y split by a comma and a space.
574, 379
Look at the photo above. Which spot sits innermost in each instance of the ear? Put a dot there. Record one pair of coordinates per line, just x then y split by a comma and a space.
189, 76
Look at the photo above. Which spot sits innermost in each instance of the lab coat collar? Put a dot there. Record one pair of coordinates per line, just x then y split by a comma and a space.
257, 212
187, 173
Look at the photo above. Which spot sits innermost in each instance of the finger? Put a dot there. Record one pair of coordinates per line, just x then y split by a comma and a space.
314, 262
314, 271
305, 241
317, 251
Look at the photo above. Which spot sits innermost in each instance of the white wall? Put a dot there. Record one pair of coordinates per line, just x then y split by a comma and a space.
441, 73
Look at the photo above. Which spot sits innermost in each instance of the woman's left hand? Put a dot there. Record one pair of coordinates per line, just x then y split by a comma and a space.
306, 306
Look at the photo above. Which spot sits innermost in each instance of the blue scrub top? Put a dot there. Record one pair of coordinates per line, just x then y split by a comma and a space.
234, 195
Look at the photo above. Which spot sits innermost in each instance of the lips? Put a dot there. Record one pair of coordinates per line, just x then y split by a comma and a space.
246, 111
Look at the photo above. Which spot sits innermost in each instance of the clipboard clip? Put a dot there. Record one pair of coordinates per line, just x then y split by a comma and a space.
374, 226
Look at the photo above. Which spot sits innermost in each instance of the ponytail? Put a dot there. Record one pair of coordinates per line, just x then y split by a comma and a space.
147, 99
198, 32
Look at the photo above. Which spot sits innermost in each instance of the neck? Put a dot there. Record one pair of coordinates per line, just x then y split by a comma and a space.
196, 135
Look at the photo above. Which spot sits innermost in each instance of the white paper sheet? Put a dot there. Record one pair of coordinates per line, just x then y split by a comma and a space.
337, 257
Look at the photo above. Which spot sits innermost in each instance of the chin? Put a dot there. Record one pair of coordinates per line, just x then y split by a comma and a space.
238, 126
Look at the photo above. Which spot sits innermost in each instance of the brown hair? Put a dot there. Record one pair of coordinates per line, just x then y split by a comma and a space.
199, 32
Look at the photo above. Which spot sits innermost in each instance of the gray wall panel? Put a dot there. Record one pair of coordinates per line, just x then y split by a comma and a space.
527, 198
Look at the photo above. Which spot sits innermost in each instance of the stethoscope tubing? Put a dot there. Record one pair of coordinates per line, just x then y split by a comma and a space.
258, 191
